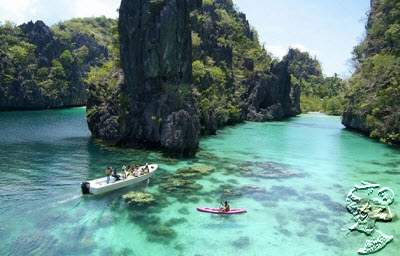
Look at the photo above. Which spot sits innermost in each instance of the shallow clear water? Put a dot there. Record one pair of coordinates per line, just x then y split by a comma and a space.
44, 155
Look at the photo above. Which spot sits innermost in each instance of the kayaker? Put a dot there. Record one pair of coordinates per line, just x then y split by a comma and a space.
225, 207
108, 173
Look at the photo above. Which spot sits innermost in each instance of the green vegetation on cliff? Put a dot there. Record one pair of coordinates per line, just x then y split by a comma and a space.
42, 67
102, 30
317, 93
222, 60
185, 60
373, 99
97, 28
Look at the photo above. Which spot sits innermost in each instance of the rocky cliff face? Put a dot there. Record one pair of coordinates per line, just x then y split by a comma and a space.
353, 119
233, 74
156, 59
158, 103
373, 105
272, 95
47, 79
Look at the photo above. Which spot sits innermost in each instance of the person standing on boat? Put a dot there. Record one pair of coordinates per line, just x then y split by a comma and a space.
115, 175
108, 173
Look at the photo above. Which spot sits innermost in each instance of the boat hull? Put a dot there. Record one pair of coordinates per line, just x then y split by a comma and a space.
100, 186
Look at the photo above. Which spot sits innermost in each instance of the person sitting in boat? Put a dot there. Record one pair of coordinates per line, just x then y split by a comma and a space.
146, 168
225, 207
115, 175
129, 171
108, 173
123, 172
137, 170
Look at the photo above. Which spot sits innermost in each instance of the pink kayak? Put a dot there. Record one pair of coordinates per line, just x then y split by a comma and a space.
218, 211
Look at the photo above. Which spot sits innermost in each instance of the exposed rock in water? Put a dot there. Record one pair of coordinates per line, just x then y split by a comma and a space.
181, 183
155, 44
200, 170
139, 198
180, 186
353, 119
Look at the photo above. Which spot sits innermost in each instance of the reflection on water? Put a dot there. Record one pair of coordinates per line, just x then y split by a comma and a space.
292, 177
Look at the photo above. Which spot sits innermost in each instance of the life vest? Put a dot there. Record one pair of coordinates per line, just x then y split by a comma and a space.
108, 172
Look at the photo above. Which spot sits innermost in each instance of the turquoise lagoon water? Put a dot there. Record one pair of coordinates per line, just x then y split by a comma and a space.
44, 155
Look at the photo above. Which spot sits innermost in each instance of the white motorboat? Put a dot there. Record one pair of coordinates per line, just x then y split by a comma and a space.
99, 186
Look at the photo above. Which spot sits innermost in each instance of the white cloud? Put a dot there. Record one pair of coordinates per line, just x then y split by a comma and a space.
279, 51
53, 11
304, 49
17, 10
88, 8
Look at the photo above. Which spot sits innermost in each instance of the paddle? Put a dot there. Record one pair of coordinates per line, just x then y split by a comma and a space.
220, 202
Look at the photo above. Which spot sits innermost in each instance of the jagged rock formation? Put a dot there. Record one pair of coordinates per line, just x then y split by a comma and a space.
233, 75
38, 70
303, 67
158, 103
272, 97
156, 58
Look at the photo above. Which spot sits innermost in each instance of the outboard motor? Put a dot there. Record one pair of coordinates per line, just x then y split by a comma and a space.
85, 186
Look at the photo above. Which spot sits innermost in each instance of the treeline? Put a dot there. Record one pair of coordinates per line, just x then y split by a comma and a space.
318, 93
42, 67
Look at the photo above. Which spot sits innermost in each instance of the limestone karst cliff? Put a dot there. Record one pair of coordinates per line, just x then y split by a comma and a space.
156, 59
187, 68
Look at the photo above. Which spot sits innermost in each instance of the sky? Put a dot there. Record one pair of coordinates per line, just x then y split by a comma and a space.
327, 29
